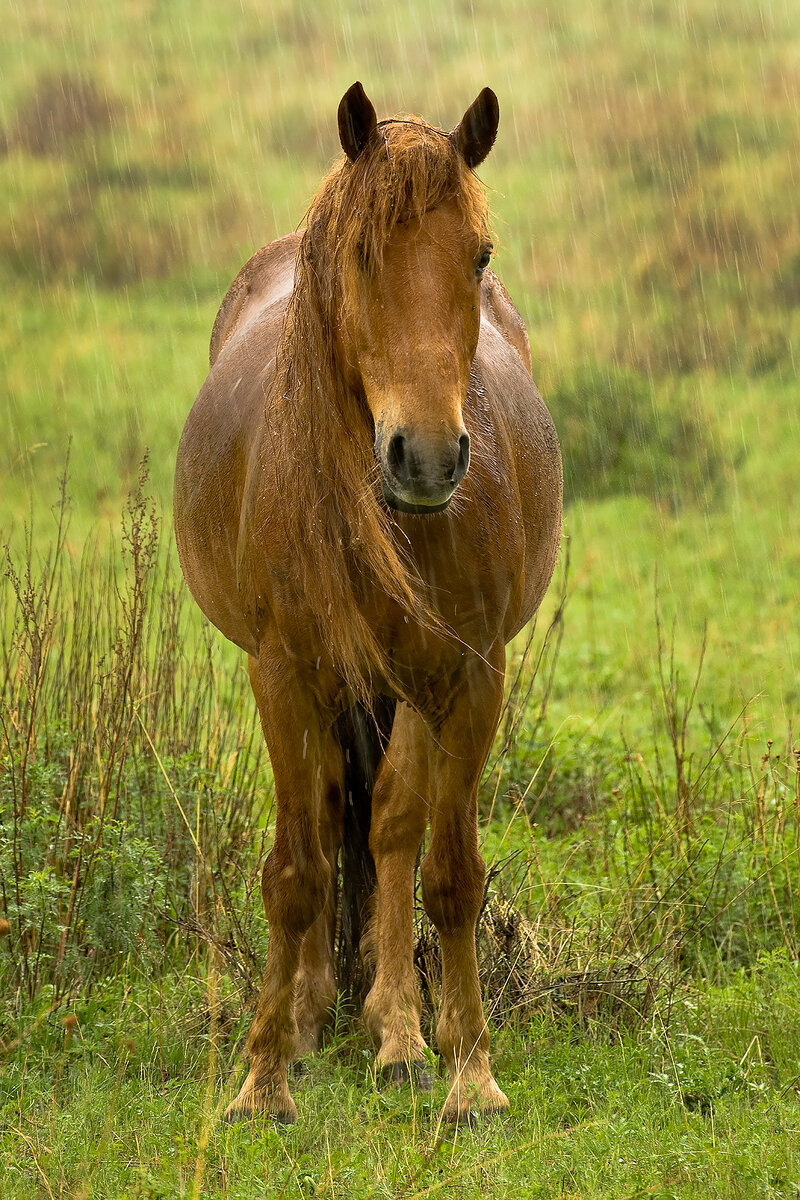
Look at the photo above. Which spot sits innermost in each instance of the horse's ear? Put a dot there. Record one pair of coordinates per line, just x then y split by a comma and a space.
475, 133
357, 121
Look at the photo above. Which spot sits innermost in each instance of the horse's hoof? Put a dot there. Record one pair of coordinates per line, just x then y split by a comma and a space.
399, 1072
235, 1113
424, 1077
466, 1106
471, 1115
272, 1103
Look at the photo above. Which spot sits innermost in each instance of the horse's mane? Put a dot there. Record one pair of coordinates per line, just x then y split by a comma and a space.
344, 540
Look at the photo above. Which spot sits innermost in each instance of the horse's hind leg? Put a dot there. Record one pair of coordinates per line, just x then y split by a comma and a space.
315, 990
452, 875
296, 880
399, 816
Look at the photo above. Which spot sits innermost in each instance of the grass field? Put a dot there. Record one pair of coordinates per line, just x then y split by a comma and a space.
640, 811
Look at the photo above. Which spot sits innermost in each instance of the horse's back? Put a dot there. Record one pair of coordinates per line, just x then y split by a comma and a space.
223, 432
264, 278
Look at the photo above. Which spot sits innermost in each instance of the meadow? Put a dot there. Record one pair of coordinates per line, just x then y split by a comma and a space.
640, 811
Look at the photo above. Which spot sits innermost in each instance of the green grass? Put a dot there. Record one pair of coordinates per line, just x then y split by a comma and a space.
698, 1102
644, 980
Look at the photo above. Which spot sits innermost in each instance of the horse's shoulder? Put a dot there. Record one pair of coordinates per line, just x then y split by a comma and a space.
498, 309
264, 277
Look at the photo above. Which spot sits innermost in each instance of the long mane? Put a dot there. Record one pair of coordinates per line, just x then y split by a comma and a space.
345, 541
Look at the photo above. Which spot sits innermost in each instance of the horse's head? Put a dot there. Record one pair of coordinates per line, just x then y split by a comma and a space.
410, 315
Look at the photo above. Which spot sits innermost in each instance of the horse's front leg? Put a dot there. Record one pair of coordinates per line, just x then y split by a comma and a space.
296, 882
399, 817
452, 876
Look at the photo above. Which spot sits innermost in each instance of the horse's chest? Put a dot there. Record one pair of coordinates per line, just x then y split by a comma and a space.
469, 617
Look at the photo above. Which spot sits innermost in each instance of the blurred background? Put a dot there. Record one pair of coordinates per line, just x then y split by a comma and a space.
644, 199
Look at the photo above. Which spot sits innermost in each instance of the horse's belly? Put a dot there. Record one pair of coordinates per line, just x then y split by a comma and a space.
528, 449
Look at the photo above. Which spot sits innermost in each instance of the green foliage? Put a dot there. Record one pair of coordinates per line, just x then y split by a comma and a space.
106, 844
619, 433
621, 867
47, 868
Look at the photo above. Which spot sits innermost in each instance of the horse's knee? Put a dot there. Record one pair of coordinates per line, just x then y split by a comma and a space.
452, 888
294, 887
393, 831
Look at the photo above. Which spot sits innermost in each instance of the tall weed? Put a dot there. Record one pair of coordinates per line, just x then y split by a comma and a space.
131, 781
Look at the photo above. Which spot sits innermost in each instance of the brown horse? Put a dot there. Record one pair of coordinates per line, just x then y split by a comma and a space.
368, 502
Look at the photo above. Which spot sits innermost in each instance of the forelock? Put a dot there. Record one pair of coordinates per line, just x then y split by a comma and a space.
408, 168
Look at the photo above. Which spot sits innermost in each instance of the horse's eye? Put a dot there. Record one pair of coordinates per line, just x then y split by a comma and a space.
482, 261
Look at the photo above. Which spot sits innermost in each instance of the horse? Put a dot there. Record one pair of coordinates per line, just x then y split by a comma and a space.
367, 501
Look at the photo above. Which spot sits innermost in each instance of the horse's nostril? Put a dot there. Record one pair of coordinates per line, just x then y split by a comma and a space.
396, 453
463, 458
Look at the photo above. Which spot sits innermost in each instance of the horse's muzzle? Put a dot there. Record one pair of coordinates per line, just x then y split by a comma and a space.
420, 476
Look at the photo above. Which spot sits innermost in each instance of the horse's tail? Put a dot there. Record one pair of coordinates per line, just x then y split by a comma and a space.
363, 737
